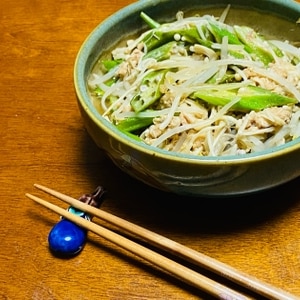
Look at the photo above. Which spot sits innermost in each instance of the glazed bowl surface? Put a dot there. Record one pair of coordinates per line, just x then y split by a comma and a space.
174, 172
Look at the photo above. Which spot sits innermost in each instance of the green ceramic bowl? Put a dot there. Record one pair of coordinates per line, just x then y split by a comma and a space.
178, 173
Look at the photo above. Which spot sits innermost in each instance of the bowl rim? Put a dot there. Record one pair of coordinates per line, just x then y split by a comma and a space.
84, 100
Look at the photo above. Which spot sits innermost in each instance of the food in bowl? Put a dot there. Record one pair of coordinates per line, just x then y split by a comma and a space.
200, 86
192, 174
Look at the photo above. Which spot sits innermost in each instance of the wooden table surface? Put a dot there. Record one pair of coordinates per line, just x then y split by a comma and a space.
43, 140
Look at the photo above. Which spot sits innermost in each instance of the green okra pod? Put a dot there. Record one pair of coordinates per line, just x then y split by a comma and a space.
99, 92
161, 53
220, 32
149, 91
251, 98
109, 64
246, 36
134, 123
162, 35
255, 45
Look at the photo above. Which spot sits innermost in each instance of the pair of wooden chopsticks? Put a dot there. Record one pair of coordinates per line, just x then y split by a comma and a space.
181, 272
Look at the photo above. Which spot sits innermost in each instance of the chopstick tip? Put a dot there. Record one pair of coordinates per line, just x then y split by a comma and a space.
28, 195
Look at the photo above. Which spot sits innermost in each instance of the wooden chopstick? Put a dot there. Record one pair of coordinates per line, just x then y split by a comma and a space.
181, 272
180, 250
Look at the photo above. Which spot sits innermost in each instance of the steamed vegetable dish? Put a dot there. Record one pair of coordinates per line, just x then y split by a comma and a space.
201, 86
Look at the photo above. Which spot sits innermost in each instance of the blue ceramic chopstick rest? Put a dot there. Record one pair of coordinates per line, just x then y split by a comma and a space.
68, 239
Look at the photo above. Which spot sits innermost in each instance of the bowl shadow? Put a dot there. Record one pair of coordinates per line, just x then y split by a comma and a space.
139, 203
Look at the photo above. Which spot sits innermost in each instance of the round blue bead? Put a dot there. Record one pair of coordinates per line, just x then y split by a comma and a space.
66, 238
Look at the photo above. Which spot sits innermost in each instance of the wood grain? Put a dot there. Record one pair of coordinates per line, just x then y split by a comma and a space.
43, 140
